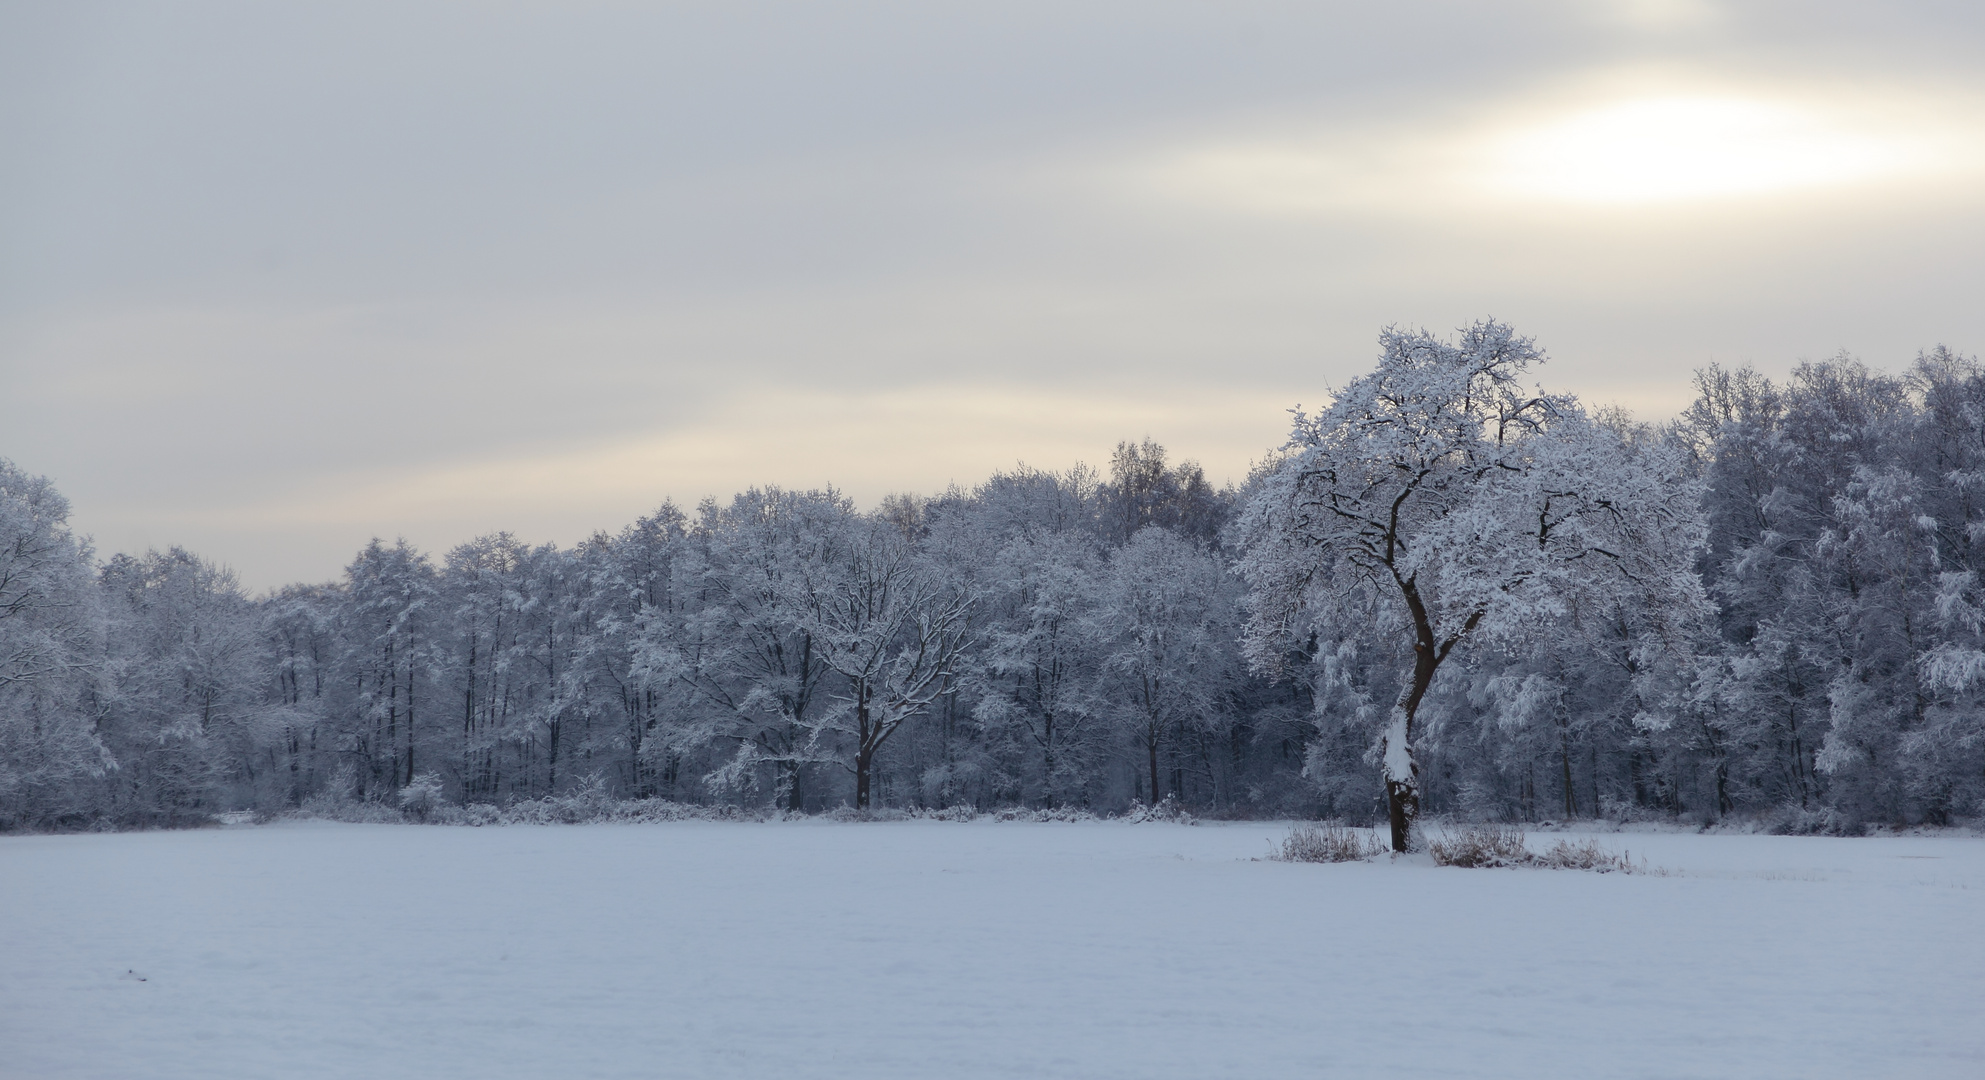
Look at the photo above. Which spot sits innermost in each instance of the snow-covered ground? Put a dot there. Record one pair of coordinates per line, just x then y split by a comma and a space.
935, 950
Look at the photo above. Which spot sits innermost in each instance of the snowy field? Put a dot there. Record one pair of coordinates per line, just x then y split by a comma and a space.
924, 949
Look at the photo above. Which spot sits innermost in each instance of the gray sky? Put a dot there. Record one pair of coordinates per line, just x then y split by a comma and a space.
276, 280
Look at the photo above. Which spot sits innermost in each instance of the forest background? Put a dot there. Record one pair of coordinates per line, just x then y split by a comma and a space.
1061, 642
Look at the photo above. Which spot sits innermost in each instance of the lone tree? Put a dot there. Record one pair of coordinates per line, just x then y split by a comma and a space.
1448, 502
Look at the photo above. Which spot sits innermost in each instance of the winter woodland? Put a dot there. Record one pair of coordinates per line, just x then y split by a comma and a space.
1450, 593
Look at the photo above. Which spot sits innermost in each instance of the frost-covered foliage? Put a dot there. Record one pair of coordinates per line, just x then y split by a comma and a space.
50, 658
1166, 810
1479, 846
1512, 608
1439, 500
1326, 843
1849, 514
423, 797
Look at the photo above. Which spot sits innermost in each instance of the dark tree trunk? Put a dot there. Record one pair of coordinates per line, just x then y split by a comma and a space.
1402, 796
863, 761
1402, 806
866, 742
551, 780
1564, 759
410, 724
1402, 792
1048, 759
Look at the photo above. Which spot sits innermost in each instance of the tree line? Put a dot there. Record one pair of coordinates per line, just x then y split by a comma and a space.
1769, 607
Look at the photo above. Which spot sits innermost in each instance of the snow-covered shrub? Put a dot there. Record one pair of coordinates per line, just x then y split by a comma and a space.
423, 796
350, 811
1168, 809
1481, 845
1827, 822
845, 812
584, 808
1495, 845
1050, 813
1326, 843
947, 813
1622, 811
472, 814
1582, 855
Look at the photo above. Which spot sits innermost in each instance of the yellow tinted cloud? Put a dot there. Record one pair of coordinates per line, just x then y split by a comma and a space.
867, 444
1622, 142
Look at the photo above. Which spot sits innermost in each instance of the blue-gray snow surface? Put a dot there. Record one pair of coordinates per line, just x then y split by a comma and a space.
929, 949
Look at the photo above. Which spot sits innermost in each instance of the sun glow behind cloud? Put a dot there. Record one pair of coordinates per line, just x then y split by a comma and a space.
1662, 149
1616, 146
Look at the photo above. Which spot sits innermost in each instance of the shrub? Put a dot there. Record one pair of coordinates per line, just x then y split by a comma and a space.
1793, 822
1168, 810
1583, 855
422, 797
1052, 813
845, 813
1326, 843
1493, 845
351, 811
957, 812
1481, 845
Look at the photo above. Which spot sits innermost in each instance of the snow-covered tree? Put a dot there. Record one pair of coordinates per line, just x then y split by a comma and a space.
1014, 724
1446, 500
388, 627
744, 648
893, 628
1037, 667
480, 594
185, 709
50, 653
638, 585
1166, 623
1143, 490
301, 642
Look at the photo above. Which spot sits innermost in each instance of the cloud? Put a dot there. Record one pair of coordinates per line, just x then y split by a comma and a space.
274, 280
1665, 148
1622, 139
866, 443
929, 437
1662, 14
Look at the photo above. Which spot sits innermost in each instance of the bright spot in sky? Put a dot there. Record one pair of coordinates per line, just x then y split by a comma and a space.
1677, 148
1654, 148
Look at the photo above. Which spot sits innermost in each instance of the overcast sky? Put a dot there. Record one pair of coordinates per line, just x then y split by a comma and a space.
274, 280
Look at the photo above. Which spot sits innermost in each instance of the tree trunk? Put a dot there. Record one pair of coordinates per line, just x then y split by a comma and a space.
785, 784
410, 711
1048, 759
551, 781
1564, 758
865, 744
1402, 805
1402, 772
1798, 754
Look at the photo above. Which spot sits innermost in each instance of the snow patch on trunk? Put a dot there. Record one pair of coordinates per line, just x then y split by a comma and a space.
1398, 752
